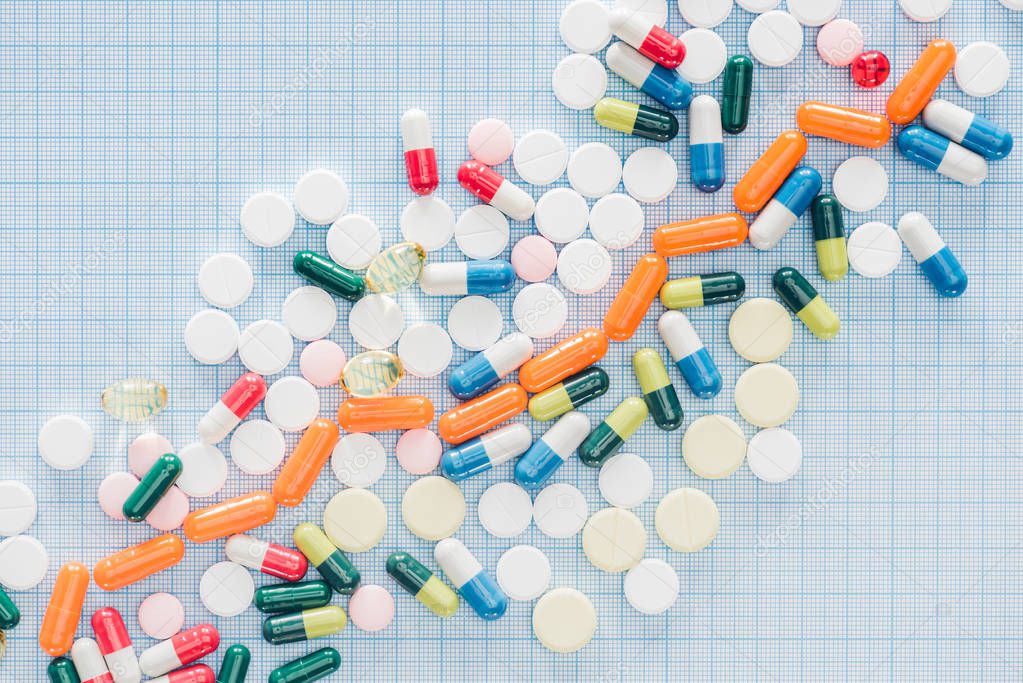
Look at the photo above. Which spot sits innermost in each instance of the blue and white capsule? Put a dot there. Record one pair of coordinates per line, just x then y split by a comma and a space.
937, 261
973, 132
938, 153
789, 203
706, 144
459, 278
549, 453
473, 583
485, 452
664, 85
690, 356
488, 367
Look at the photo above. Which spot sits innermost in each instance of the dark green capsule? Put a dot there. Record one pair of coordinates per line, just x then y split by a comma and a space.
738, 90
803, 300
332, 564
312, 667
318, 622
574, 391
829, 237
10, 615
61, 670
291, 597
422, 584
153, 487
636, 119
658, 391
235, 665
326, 274
608, 437
703, 290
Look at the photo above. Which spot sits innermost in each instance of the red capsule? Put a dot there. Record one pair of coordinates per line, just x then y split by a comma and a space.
236, 403
493, 188
200, 673
870, 69
648, 38
420, 156
115, 645
177, 651
268, 558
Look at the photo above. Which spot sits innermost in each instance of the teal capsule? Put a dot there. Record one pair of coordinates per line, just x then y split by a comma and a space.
312, 667
333, 565
803, 300
153, 487
608, 437
326, 274
658, 391
61, 670
636, 119
278, 598
10, 615
738, 91
574, 391
829, 237
235, 665
318, 622
703, 290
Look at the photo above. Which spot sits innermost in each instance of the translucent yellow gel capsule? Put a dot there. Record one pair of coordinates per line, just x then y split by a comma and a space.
134, 399
372, 373
395, 268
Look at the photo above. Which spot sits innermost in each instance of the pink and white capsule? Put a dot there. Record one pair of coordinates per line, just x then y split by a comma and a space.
493, 188
89, 662
420, 156
233, 407
177, 651
268, 558
115, 645
200, 673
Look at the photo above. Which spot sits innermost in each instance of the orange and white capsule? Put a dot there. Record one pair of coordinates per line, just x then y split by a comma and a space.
420, 156
845, 124
768, 172
233, 516
307, 460
384, 413
89, 662
60, 620
137, 562
481, 414
634, 298
564, 359
917, 87
701, 234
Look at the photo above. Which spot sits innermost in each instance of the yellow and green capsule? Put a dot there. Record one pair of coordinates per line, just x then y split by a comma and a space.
235, 665
569, 394
10, 615
153, 487
636, 119
803, 300
61, 670
422, 584
333, 565
737, 95
658, 391
608, 437
279, 598
318, 622
829, 237
326, 274
313, 667
703, 290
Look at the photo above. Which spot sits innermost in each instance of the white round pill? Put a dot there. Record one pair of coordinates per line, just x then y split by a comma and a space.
584, 26
766, 395
579, 81
774, 455
758, 6
560, 511
839, 42
23, 563
874, 250
505, 510
616, 221
425, 349
523, 572
353, 241
652, 586
704, 13
309, 313
654, 11
1015, 5
925, 11
203, 470
687, 520
358, 460
211, 336
540, 157
625, 480
226, 589
257, 447
481, 232
65, 442
561, 215
265, 347
860, 184
594, 170
376, 321
267, 219
775, 38
225, 280
706, 55
650, 175
475, 323
321, 196
491, 141
291, 403
428, 221
17, 507
540, 310
982, 69
814, 12
584, 267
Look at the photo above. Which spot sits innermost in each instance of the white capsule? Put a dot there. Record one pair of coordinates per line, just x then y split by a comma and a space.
246, 551
567, 433
501, 445
705, 121
630, 26
415, 130
512, 200
509, 353
89, 662
629, 64
445, 279
678, 334
217, 423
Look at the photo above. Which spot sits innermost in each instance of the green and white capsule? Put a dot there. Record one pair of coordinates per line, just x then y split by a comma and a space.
636, 119
608, 437
803, 300
703, 290
153, 487
280, 598
565, 396
333, 565
658, 391
829, 237
422, 584
318, 622
313, 667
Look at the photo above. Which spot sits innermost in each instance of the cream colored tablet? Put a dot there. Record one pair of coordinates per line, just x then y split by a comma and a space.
687, 520
564, 620
714, 447
614, 540
433, 508
766, 395
760, 330
355, 520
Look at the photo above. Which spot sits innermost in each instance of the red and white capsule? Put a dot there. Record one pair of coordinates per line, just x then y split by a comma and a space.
420, 156
236, 403
89, 662
177, 651
648, 38
115, 645
200, 673
269, 558
494, 189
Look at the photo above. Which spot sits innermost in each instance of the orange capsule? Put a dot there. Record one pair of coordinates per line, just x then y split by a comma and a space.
60, 621
479, 415
303, 467
564, 359
845, 124
234, 516
701, 234
635, 296
768, 172
384, 413
137, 562
917, 87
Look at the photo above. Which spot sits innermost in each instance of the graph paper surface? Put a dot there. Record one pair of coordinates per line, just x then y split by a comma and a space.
132, 132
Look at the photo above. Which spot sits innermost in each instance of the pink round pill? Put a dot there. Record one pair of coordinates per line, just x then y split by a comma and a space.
418, 451
839, 42
161, 616
170, 512
144, 450
321, 363
491, 141
113, 491
534, 258
371, 608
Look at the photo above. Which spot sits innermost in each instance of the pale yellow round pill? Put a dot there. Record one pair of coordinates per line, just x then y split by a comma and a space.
714, 446
433, 508
564, 620
355, 520
687, 520
614, 540
760, 330
766, 395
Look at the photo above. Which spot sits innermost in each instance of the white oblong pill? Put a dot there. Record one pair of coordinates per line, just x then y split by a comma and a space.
257, 447
706, 55
704, 13
687, 520
594, 170
267, 219
505, 510
23, 562
376, 321
650, 175
925, 11
321, 196
475, 323
766, 395
523, 572
491, 141
309, 313
579, 81
291, 403
226, 589
775, 38
353, 241
265, 347
625, 480
358, 460
425, 349
540, 157
481, 232
814, 12
713, 446
540, 310
17, 507
65, 442
616, 221
561, 215
860, 183
774, 455
982, 69
428, 221
584, 267
652, 586
584, 26
211, 336
875, 250
560, 511
203, 470
654, 11
225, 280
